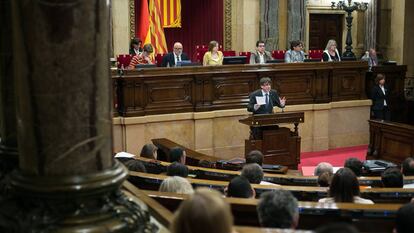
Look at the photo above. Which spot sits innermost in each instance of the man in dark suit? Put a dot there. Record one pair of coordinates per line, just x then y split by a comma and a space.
379, 96
262, 101
267, 97
171, 59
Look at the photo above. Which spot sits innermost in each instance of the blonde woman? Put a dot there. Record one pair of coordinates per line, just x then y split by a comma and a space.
176, 184
204, 212
331, 53
213, 57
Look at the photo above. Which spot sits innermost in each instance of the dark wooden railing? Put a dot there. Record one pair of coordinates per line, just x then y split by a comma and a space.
390, 141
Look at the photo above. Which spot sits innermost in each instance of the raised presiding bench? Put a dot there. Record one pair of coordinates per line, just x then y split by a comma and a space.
390, 141
206, 88
367, 218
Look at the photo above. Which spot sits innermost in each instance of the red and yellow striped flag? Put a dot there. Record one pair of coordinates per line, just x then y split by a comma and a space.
171, 12
156, 36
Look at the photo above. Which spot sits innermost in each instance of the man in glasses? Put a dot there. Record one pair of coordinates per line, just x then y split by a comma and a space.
173, 58
260, 56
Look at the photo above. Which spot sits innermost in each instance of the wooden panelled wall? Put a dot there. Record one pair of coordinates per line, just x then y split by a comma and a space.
195, 89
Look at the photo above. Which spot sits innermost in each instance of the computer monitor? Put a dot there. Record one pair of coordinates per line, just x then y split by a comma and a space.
234, 60
275, 61
187, 63
191, 64
144, 66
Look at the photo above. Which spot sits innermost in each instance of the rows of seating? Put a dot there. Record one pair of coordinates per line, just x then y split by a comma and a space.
220, 173
302, 193
282, 179
371, 218
163, 216
379, 217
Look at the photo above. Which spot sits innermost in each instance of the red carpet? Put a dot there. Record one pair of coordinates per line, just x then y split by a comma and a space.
336, 157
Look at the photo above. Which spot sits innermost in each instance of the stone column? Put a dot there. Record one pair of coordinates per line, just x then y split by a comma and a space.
296, 20
269, 27
68, 180
8, 137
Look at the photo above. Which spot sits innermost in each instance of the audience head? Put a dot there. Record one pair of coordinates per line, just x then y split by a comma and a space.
176, 184
149, 151
260, 46
355, 165
324, 179
331, 45
177, 169
135, 43
344, 186
255, 156
178, 48
253, 172
265, 84
203, 212
407, 167
278, 209
404, 219
323, 167
337, 227
148, 49
135, 165
380, 79
392, 178
177, 154
296, 45
213, 46
239, 186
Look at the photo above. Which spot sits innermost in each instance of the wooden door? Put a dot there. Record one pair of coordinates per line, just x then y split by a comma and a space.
323, 27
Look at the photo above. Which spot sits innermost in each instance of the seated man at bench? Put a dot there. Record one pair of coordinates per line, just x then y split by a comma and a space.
278, 209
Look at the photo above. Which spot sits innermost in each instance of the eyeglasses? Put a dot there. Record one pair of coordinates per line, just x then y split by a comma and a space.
178, 48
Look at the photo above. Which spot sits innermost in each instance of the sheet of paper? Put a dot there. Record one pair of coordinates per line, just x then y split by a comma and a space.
260, 100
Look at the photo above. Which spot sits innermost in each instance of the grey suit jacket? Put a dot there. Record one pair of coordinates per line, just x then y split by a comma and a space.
255, 59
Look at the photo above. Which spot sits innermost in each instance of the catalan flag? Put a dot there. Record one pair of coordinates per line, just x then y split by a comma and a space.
156, 36
171, 13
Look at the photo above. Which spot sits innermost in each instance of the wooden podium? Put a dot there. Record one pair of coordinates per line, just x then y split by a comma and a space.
279, 145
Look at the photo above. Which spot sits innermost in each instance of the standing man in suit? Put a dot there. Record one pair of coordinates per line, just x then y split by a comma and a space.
267, 98
379, 96
261, 102
260, 56
171, 59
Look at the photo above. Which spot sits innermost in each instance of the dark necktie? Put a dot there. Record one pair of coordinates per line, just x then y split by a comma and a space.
178, 58
267, 99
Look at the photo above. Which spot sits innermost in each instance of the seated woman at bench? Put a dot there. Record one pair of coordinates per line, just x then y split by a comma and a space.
345, 188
